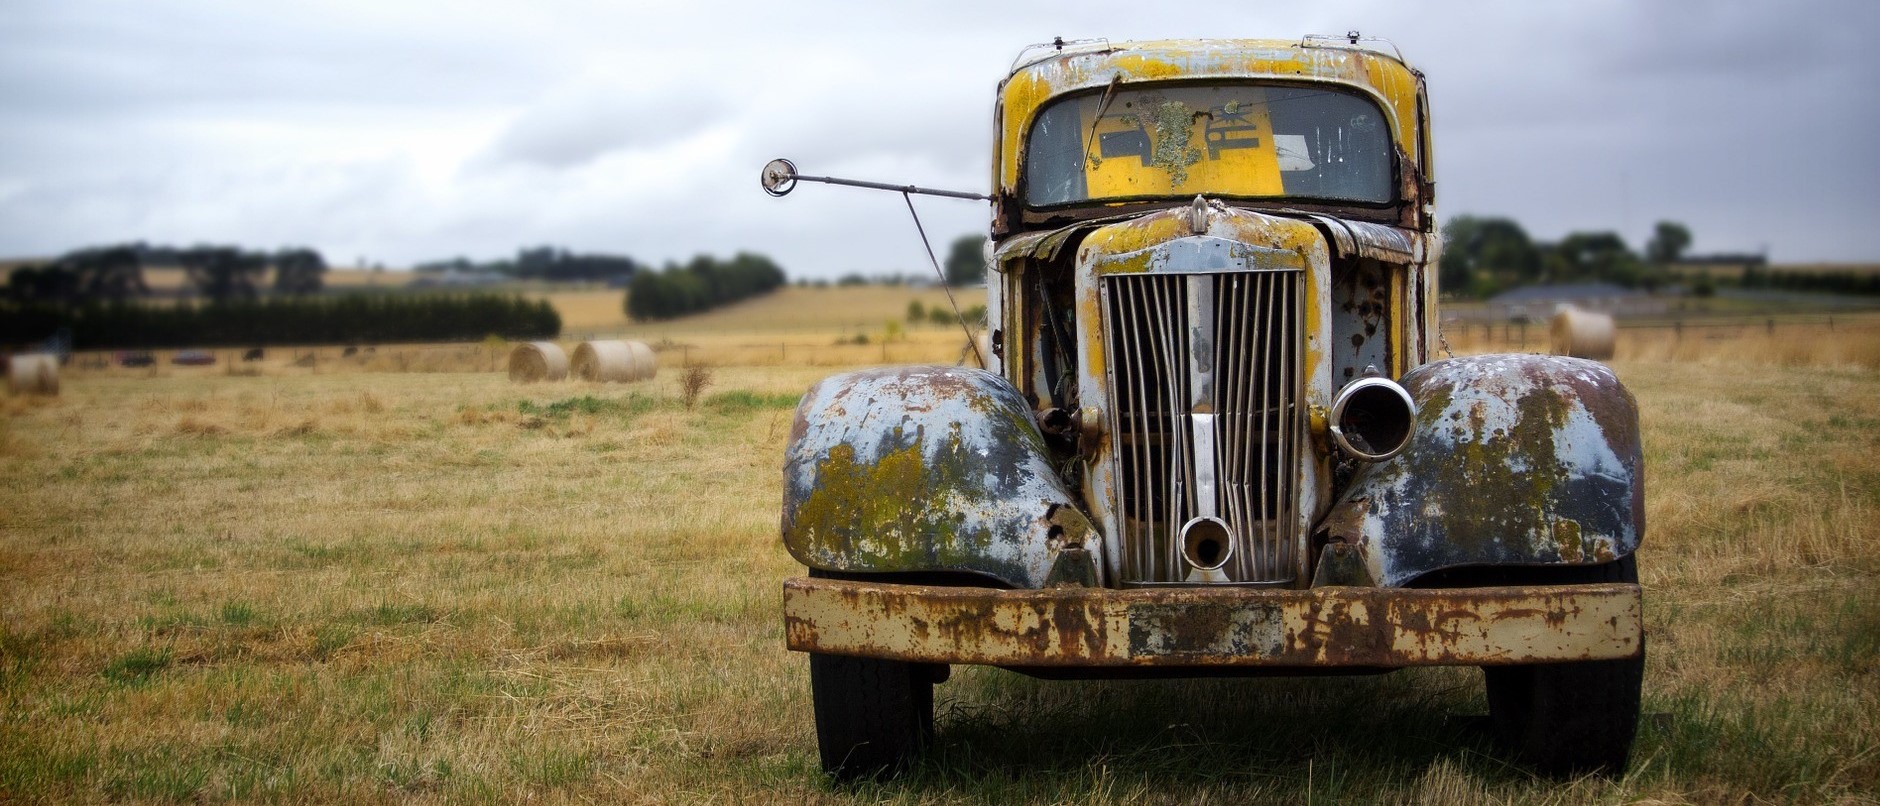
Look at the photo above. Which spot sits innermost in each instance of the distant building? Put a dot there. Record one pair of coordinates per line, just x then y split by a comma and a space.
1536, 303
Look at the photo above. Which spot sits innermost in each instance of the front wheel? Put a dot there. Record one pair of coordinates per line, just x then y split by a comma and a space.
1571, 718
873, 716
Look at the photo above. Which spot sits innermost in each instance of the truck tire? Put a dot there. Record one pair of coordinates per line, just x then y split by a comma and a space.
1569, 719
873, 716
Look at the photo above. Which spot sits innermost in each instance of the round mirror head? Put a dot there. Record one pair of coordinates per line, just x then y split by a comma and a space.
779, 177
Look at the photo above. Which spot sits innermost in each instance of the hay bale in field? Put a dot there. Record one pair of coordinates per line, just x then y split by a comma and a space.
537, 361
1583, 334
33, 374
615, 361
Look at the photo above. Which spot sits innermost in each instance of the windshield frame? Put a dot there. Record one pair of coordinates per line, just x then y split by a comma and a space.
1359, 92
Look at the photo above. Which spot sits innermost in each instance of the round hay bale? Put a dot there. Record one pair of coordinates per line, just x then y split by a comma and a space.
1583, 334
33, 374
978, 352
537, 361
613, 361
645, 365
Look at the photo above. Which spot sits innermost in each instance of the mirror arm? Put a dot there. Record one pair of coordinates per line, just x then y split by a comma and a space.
780, 177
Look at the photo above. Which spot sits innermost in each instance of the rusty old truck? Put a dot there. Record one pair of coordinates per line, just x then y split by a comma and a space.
1216, 434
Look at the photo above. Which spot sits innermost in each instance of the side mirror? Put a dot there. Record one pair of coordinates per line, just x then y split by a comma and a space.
779, 177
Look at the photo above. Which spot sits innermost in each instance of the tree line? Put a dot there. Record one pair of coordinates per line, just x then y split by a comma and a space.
106, 274
1836, 282
701, 284
1483, 256
544, 263
283, 320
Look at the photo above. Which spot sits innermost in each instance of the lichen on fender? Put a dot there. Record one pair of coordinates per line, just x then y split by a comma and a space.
1517, 459
925, 468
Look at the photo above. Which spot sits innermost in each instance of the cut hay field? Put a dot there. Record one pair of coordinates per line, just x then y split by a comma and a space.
370, 582
789, 311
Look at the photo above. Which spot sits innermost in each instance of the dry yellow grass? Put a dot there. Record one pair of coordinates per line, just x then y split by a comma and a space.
173, 278
1851, 341
349, 582
792, 311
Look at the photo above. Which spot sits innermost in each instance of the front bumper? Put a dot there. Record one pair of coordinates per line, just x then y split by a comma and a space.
1214, 627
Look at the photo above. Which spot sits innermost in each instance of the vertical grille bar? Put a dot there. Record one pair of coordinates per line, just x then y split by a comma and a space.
1255, 367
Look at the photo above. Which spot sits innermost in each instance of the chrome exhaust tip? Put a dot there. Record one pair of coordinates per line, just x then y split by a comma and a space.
1207, 543
1373, 419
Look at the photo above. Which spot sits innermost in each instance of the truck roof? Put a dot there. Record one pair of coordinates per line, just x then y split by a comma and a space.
1034, 82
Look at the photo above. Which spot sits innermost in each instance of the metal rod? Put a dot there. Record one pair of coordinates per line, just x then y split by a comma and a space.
857, 183
944, 286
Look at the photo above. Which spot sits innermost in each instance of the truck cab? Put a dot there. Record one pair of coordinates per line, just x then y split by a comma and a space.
1214, 435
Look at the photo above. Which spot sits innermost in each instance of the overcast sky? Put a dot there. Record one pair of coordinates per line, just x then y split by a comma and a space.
413, 131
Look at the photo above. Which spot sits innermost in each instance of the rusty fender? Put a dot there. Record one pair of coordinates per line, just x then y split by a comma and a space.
1516, 460
929, 468
1188, 627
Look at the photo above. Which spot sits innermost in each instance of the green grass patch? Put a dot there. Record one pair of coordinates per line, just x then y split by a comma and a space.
585, 404
742, 400
387, 614
239, 614
136, 667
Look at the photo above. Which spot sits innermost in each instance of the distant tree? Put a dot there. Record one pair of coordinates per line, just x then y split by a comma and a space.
1601, 257
110, 274
1668, 242
966, 264
916, 312
702, 283
98, 274
298, 272
224, 273
1479, 252
52, 284
538, 261
552, 263
1704, 286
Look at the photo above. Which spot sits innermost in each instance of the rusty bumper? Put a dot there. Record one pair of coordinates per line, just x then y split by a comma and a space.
1220, 627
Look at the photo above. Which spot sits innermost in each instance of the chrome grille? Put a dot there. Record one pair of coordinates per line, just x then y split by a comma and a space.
1196, 359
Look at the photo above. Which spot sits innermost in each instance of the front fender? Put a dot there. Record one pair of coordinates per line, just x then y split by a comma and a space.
1516, 460
929, 468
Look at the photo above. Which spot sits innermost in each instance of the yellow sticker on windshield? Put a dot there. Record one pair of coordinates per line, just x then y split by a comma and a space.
1183, 141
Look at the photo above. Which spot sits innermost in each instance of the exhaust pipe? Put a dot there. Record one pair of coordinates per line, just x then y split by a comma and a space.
1207, 544
1373, 418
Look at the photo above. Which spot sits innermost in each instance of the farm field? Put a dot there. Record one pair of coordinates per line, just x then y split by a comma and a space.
793, 311
396, 577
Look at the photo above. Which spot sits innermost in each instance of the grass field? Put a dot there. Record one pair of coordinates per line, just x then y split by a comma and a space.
368, 580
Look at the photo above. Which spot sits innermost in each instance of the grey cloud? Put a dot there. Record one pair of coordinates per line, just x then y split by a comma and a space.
578, 124
417, 130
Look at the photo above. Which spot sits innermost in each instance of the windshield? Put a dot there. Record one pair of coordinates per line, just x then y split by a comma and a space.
1231, 139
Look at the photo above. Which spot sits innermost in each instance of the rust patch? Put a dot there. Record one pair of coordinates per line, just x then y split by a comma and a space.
1213, 627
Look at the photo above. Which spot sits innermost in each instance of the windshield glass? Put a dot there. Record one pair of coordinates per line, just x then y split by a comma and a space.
1230, 139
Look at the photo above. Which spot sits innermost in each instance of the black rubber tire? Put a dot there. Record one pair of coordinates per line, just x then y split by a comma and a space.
873, 716
1570, 719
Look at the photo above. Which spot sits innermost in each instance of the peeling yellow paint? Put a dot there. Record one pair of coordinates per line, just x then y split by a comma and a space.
1384, 78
